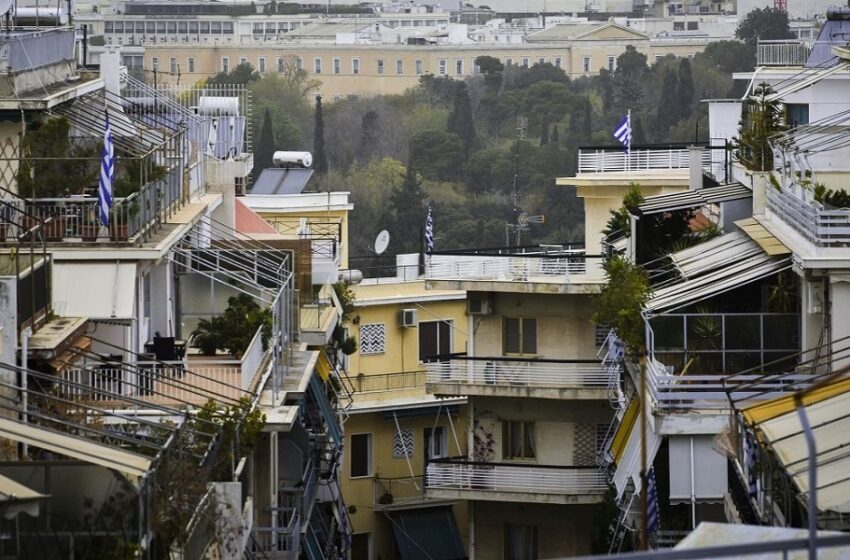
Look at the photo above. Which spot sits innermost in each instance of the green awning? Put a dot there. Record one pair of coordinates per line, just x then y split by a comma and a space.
427, 533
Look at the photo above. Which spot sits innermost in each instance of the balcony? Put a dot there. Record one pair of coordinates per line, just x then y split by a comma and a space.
783, 53
389, 381
455, 479
399, 493
796, 207
553, 379
614, 159
543, 269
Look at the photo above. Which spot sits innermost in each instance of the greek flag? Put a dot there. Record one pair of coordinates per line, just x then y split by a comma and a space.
429, 233
651, 503
623, 132
107, 173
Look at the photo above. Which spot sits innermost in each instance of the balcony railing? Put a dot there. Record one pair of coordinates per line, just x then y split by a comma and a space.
588, 374
498, 477
796, 206
567, 265
783, 53
390, 381
606, 160
28, 49
399, 491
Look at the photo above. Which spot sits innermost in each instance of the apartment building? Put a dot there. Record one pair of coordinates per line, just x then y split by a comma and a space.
126, 392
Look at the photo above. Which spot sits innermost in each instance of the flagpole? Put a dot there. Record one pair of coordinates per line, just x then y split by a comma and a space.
629, 140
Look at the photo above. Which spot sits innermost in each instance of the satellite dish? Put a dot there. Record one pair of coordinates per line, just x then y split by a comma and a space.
382, 241
5, 6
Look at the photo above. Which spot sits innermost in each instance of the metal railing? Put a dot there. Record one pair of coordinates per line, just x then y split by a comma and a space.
796, 206
783, 53
572, 266
326, 411
498, 477
589, 374
22, 50
389, 381
602, 160
398, 491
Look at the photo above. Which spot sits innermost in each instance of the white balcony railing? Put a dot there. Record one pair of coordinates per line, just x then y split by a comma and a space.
607, 160
501, 372
519, 268
494, 477
796, 207
783, 53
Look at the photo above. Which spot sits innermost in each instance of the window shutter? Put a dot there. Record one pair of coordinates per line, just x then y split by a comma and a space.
529, 336
427, 340
511, 342
444, 345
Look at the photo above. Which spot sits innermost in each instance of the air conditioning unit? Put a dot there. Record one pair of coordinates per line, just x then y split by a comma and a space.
479, 305
408, 318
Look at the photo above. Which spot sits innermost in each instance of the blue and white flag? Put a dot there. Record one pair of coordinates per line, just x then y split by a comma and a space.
623, 132
652, 515
107, 174
429, 233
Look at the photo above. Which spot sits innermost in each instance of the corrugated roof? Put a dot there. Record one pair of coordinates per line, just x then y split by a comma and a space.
694, 198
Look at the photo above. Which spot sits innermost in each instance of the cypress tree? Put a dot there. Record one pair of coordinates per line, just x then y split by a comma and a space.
556, 137
320, 158
460, 119
264, 147
370, 135
408, 202
686, 89
668, 104
586, 128
544, 129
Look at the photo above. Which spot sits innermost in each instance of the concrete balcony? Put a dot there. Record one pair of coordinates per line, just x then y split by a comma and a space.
546, 269
616, 160
503, 377
464, 480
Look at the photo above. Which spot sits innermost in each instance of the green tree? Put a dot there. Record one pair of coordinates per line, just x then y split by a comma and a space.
686, 89
622, 300
264, 146
409, 210
544, 129
439, 155
370, 136
628, 81
764, 24
668, 109
761, 118
586, 121
556, 136
241, 75
285, 97
320, 158
545, 72
460, 120
489, 65
730, 56
604, 83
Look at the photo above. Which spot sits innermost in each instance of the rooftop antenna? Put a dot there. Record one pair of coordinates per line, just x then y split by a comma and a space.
521, 134
382, 242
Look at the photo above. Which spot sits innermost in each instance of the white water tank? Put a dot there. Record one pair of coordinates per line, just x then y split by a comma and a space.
292, 159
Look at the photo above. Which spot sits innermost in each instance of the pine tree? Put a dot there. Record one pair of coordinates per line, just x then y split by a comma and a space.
668, 104
320, 158
460, 119
544, 129
686, 89
556, 136
264, 147
408, 202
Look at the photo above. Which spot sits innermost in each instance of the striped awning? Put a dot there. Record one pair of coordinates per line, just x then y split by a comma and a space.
693, 199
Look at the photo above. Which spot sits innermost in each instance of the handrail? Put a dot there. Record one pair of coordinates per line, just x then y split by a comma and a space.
464, 461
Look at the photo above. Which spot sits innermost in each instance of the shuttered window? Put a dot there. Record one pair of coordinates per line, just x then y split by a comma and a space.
434, 339
361, 455
519, 335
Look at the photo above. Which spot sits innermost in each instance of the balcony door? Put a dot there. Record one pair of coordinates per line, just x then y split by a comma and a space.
435, 339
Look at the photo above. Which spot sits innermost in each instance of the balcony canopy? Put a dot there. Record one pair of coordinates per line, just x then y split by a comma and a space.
694, 198
96, 290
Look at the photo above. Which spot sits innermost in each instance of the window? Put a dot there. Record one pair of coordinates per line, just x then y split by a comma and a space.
436, 442
182, 27
107, 27
361, 546
257, 29
611, 62
155, 63
299, 63
337, 66
403, 443
797, 114
418, 67
658, 57
693, 25
459, 67
380, 66
399, 67
205, 28
586, 64
361, 455
227, 28
435, 338
317, 65
243, 59
172, 64
225, 64
443, 65
215, 27
509, 61
279, 65
172, 27
558, 62
190, 63
261, 64
678, 26
193, 27
520, 542
355, 65
373, 338
160, 27
517, 439
525, 62
150, 27
519, 335
541, 61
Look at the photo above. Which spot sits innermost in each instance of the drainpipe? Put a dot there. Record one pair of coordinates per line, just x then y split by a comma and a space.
693, 489
813, 477
25, 343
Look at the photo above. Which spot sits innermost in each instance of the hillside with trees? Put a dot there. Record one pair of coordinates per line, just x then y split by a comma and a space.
465, 147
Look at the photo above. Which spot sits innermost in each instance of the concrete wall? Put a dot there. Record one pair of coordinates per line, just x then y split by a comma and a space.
564, 329
562, 531
8, 325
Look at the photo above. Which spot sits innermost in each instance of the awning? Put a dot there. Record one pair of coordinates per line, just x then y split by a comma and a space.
16, 498
830, 421
694, 198
766, 240
709, 534
709, 470
429, 533
809, 80
96, 290
714, 267
126, 462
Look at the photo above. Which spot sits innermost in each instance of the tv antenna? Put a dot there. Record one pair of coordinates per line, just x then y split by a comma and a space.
521, 134
382, 242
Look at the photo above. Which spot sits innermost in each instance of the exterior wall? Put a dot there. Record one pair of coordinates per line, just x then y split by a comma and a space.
402, 343
319, 215
359, 492
564, 330
562, 531
8, 325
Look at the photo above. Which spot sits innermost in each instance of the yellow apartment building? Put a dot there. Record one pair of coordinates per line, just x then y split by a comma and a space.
376, 69
394, 427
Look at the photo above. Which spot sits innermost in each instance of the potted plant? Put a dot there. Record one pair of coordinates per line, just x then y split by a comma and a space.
206, 336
